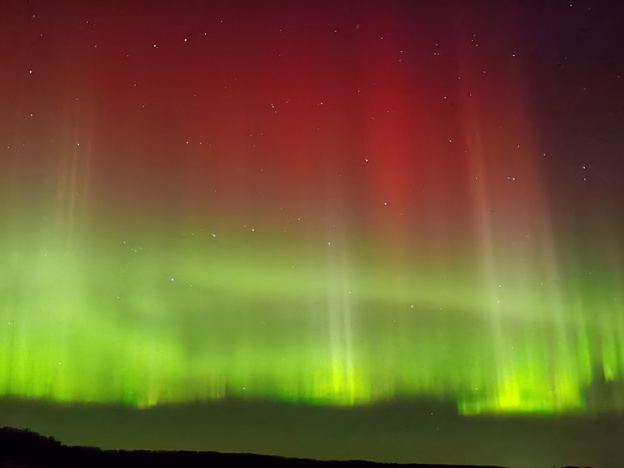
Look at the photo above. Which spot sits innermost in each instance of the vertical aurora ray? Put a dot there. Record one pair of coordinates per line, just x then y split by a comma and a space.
316, 208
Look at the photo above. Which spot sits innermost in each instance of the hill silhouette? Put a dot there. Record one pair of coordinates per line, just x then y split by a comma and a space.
27, 449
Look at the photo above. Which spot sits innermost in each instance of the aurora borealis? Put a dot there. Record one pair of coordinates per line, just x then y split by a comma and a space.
324, 204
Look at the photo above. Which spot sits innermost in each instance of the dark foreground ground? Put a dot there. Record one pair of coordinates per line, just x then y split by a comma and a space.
23, 448
401, 432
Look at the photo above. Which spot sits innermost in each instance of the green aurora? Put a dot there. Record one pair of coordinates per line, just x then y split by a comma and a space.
195, 315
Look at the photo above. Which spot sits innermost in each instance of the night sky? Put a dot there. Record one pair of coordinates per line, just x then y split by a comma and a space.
386, 230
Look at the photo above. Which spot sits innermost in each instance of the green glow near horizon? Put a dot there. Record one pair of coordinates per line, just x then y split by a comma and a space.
207, 318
